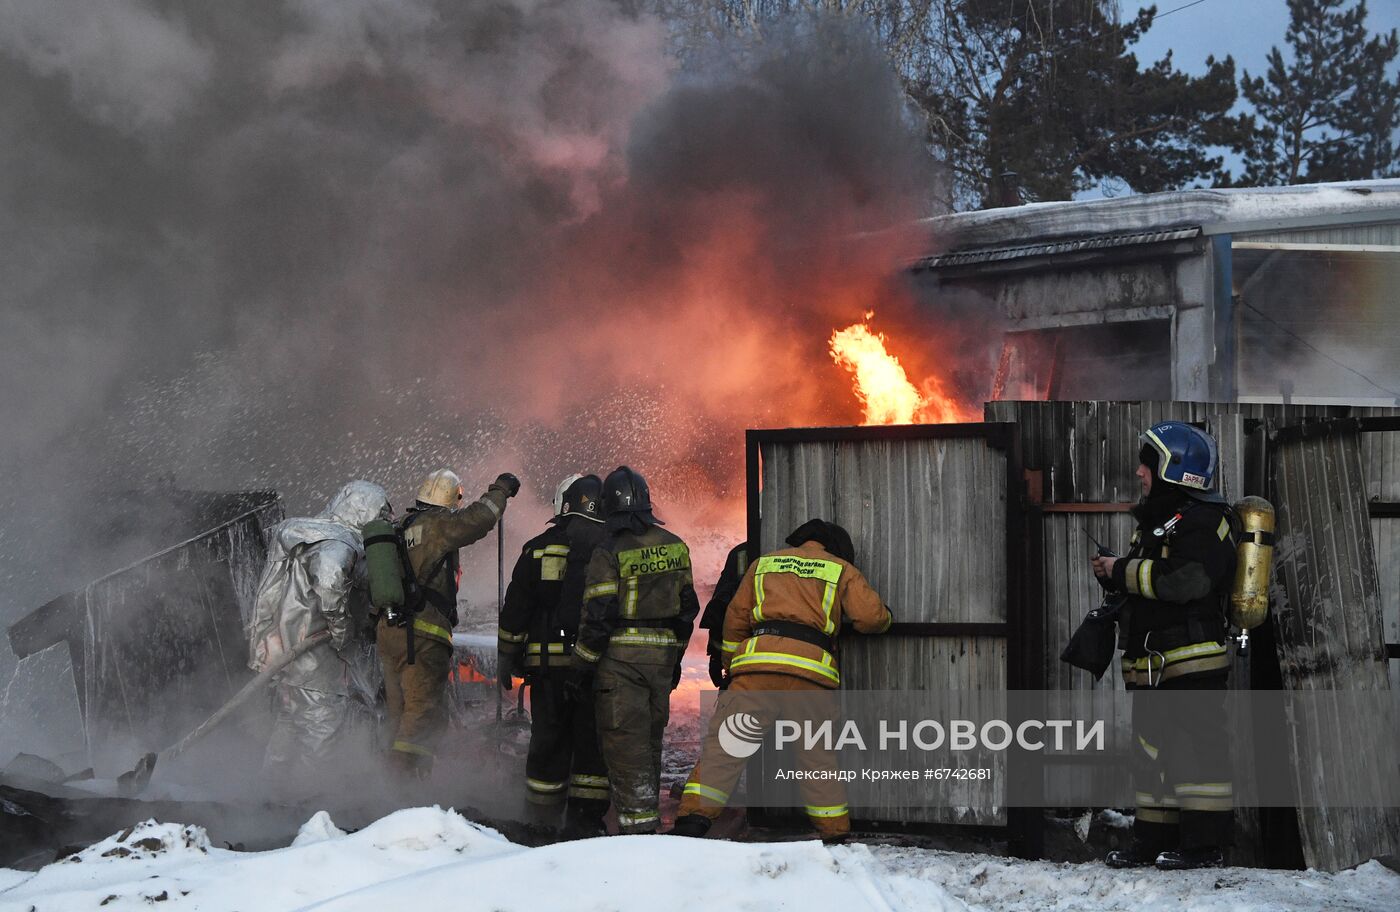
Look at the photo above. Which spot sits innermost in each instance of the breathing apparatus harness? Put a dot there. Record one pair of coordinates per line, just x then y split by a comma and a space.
395, 590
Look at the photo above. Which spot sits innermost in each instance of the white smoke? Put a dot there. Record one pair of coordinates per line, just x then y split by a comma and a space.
127, 64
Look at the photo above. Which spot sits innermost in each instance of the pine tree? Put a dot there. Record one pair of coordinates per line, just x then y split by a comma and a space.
1331, 112
1046, 98
1028, 99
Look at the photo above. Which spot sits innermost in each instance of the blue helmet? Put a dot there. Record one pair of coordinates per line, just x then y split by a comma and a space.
1186, 455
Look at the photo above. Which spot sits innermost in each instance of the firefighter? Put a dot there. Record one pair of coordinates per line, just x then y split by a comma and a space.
433, 529
780, 635
310, 585
1172, 629
538, 627
639, 606
712, 620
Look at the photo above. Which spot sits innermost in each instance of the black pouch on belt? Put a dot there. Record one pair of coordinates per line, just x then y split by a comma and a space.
1093, 644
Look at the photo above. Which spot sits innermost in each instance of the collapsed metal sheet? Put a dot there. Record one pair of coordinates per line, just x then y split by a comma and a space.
157, 646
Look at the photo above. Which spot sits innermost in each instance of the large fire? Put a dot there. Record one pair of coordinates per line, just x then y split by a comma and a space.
883, 386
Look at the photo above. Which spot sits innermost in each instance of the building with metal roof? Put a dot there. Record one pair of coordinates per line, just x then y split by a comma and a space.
1265, 295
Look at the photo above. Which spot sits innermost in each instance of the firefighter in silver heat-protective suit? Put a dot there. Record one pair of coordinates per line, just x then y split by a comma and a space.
313, 582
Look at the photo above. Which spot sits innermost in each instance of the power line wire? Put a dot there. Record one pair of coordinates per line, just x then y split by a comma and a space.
1313, 348
1178, 9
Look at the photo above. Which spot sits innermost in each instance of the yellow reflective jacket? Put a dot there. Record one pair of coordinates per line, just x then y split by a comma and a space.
805, 585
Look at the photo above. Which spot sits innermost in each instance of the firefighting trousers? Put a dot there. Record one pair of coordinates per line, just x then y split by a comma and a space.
565, 761
307, 727
766, 697
416, 696
633, 703
1181, 770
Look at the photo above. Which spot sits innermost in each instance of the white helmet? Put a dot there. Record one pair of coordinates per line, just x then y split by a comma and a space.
442, 488
560, 491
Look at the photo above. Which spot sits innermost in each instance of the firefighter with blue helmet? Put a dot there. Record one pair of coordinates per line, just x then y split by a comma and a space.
1175, 581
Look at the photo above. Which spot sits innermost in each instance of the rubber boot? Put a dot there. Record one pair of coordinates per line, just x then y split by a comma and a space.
582, 825
1134, 856
692, 825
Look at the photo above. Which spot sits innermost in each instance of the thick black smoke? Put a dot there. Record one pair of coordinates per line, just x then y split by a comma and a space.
283, 243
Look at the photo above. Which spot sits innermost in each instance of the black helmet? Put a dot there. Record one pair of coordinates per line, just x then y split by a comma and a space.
582, 497
830, 536
626, 491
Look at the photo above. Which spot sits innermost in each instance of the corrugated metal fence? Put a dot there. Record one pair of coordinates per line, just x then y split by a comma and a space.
931, 513
975, 535
1080, 458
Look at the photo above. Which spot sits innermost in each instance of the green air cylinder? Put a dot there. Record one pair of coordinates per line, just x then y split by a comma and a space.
384, 566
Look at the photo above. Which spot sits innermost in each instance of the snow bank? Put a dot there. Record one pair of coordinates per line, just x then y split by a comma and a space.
430, 858
427, 858
166, 862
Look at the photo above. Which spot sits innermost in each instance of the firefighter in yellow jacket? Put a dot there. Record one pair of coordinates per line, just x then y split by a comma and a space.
434, 529
780, 636
639, 606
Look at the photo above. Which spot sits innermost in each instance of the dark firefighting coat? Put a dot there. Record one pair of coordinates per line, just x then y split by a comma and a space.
735, 564
638, 612
538, 626
1172, 630
639, 597
1176, 583
540, 618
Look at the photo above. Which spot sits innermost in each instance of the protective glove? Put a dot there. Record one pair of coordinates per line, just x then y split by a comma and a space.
717, 670
676, 675
508, 483
505, 669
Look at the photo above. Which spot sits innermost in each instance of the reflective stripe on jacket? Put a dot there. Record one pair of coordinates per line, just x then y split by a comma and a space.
434, 533
805, 585
1172, 622
639, 601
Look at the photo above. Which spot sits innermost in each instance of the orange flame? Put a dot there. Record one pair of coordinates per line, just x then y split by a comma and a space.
884, 389
882, 385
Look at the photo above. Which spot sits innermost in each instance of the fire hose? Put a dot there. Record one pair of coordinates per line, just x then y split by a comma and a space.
134, 781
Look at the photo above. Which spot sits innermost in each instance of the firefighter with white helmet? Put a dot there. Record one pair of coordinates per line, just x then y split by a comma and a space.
538, 628
1172, 628
433, 530
311, 584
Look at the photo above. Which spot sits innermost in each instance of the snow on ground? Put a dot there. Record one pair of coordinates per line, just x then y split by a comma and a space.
429, 858
1011, 885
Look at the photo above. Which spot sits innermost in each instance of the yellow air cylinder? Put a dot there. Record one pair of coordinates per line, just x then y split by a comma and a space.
1249, 599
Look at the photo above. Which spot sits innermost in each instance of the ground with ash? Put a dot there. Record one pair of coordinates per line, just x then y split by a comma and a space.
428, 857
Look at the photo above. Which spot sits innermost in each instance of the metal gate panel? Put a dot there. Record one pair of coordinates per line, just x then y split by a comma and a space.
1330, 630
935, 513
